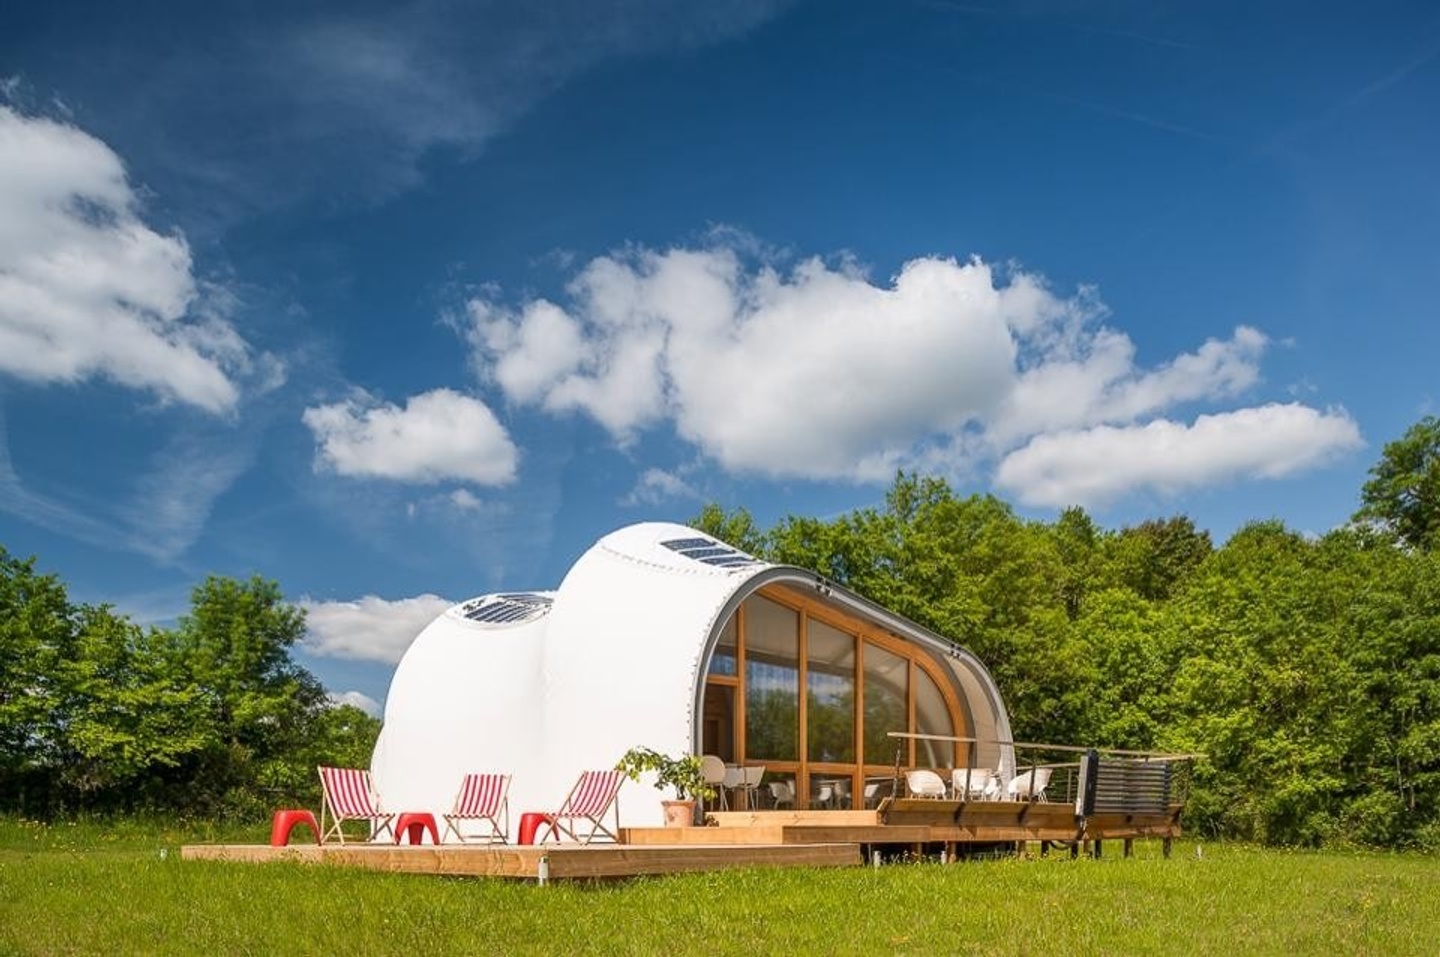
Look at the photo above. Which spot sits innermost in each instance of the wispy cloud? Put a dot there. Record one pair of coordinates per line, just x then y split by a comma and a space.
164, 509
172, 502
47, 511
288, 102
1353, 98
659, 487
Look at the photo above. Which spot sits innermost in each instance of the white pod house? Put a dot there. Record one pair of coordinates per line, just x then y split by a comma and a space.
661, 636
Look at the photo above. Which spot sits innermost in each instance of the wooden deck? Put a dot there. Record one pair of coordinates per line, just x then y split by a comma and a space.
737, 839
564, 861
917, 821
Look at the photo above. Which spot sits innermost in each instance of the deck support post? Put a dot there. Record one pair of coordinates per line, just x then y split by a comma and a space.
1074, 850
1165, 846
1129, 847
1098, 847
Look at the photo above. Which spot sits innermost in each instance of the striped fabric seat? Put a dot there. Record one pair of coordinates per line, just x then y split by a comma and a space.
482, 797
348, 795
592, 796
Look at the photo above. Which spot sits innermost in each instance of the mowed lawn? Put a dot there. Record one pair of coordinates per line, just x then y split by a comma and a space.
91, 889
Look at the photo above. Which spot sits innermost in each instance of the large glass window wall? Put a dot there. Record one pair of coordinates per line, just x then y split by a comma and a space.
811, 697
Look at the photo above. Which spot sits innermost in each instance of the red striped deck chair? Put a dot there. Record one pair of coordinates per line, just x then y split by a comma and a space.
349, 796
482, 797
595, 793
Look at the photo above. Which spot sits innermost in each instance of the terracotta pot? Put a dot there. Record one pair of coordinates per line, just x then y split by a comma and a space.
679, 813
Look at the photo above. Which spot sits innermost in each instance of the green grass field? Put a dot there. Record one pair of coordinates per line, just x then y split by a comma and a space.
92, 889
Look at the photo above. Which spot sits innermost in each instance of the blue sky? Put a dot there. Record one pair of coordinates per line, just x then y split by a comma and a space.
401, 304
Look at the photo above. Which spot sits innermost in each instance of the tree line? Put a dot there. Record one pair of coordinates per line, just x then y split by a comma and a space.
210, 718
1306, 669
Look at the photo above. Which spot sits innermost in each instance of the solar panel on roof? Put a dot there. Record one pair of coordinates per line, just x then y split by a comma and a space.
701, 554
508, 609
680, 544
710, 552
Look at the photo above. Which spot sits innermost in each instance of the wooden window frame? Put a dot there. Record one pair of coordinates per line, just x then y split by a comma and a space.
864, 633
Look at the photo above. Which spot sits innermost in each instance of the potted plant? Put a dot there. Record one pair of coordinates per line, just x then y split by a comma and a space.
684, 774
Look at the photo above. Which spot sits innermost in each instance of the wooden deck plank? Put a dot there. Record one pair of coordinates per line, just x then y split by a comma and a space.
652, 836
565, 861
776, 834
860, 818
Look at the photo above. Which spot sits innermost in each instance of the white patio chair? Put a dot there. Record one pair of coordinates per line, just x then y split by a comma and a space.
1028, 785
734, 783
973, 784
716, 775
750, 783
923, 783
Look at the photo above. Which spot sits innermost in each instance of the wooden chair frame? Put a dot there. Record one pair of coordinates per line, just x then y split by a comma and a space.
482, 797
594, 794
347, 794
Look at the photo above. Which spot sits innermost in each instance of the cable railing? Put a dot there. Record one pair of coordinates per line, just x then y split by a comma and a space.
1095, 780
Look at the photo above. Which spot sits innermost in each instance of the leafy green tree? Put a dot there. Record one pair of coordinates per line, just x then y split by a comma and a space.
37, 627
1129, 665
735, 528
1403, 493
234, 649
212, 716
126, 714
343, 736
1078, 542
1156, 556
1385, 605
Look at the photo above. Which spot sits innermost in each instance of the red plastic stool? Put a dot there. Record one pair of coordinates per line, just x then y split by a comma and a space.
284, 822
530, 822
415, 824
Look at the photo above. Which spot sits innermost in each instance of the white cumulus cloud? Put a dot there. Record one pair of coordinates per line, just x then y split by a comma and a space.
821, 372
87, 289
369, 629
357, 699
437, 436
1096, 466
1066, 391
818, 373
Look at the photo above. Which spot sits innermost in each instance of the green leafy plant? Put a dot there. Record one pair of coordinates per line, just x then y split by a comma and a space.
684, 773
